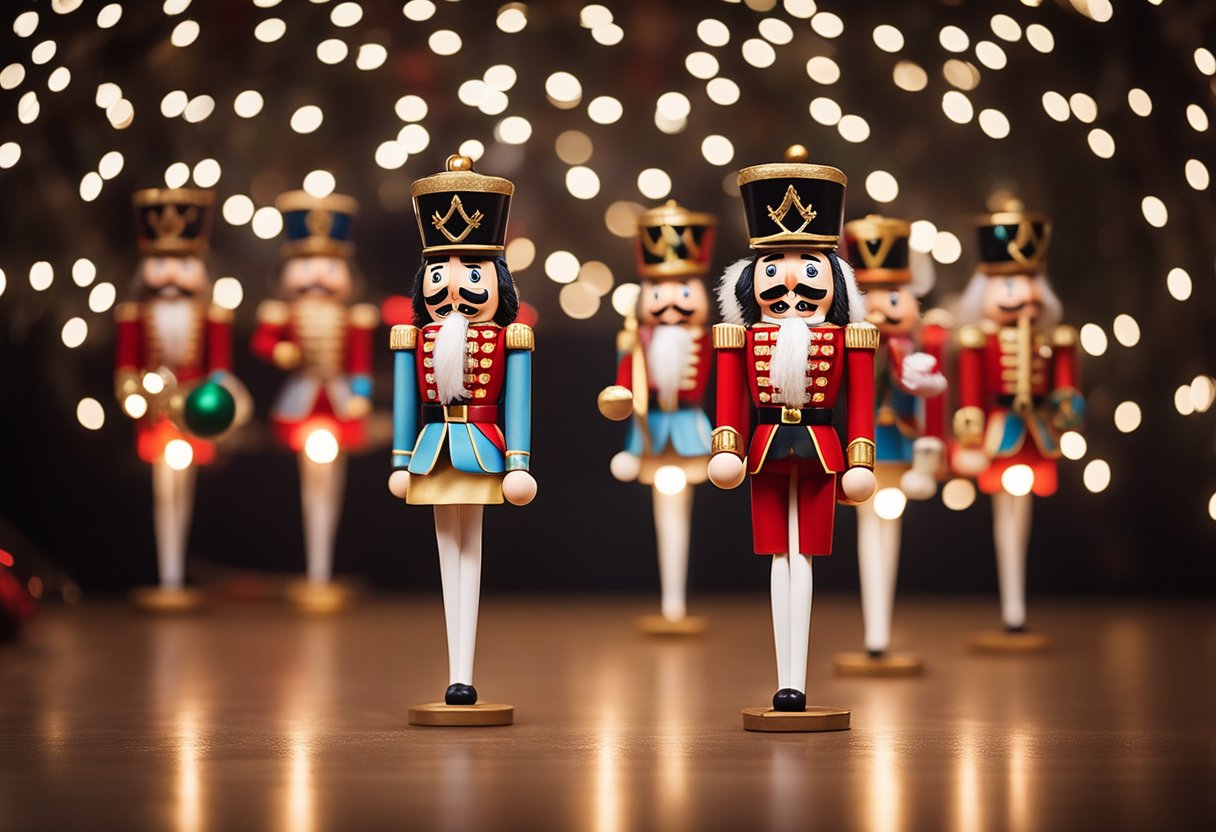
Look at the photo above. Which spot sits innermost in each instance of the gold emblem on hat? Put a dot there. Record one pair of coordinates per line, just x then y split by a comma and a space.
666, 246
170, 223
791, 200
1026, 236
319, 222
470, 222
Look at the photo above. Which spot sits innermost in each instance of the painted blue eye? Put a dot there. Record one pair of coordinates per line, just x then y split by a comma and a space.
435, 277
895, 298
475, 276
186, 266
1009, 285
811, 271
770, 270
686, 293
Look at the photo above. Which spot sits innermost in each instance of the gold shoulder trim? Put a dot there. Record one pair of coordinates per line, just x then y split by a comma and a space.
126, 311
729, 337
863, 336
403, 337
1064, 336
364, 315
273, 312
520, 337
219, 315
971, 337
938, 317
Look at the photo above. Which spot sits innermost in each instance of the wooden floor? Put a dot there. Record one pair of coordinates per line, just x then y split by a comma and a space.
252, 718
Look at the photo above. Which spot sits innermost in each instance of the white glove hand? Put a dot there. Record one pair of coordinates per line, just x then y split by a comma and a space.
858, 484
399, 483
726, 470
921, 377
625, 466
518, 487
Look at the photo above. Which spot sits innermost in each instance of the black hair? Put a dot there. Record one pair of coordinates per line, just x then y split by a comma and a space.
745, 293
508, 297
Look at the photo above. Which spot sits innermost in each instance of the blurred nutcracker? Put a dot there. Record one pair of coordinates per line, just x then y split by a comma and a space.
663, 368
1018, 388
909, 422
315, 334
173, 356
794, 337
462, 403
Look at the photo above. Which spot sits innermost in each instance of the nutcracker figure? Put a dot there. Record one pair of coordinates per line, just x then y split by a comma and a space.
663, 359
462, 409
173, 356
909, 422
1018, 388
325, 343
794, 337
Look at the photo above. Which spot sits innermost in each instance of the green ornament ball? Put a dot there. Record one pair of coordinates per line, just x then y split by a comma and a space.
209, 409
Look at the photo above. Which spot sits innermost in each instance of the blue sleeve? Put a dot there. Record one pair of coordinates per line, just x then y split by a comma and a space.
518, 416
361, 385
405, 407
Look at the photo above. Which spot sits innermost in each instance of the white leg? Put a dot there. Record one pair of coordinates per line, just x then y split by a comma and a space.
672, 518
447, 535
184, 495
321, 488
870, 563
1011, 534
170, 548
470, 588
779, 589
891, 531
800, 597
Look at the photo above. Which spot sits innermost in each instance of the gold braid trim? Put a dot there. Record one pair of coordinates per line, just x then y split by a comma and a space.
1064, 336
863, 336
520, 337
969, 425
861, 453
971, 337
729, 337
403, 337
726, 439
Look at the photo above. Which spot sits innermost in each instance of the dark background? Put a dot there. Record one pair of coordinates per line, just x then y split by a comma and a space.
81, 501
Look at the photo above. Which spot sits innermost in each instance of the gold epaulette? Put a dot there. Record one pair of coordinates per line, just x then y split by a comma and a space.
1064, 336
403, 337
729, 337
520, 337
971, 337
219, 315
126, 311
938, 317
273, 312
862, 336
364, 316
625, 339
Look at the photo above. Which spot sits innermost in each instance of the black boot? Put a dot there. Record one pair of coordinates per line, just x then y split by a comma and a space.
1021, 628
788, 699
876, 654
459, 694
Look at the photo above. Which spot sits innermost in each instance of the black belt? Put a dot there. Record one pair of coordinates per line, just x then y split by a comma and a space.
459, 413
794, 416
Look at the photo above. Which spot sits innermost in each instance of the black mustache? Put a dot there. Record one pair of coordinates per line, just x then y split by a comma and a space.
171, 290
442, 311
315, 289
1031, 304
808, 292
474, 297
431, 300
466, 310
687, 313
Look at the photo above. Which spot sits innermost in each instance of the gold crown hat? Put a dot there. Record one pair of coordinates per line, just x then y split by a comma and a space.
459, 209
317, 226
793, 204
674, 242
1013, 241
173, 222
877, 248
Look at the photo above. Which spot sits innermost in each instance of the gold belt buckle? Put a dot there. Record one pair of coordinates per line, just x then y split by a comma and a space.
456, 413
791, 415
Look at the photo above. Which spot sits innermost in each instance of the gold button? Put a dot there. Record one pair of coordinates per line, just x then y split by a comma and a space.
821, 382
486, 363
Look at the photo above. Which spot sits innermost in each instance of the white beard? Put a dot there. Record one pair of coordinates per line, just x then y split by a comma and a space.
667, 359
450, 354
174, 323
788, 366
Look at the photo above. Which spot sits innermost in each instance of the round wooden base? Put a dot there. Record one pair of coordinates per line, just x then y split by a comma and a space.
319, 599
814, 718
154, 599
657, 625
1002, 641
462, 716
891, 664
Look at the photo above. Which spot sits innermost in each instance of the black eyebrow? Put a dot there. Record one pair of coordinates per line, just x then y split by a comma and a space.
437, 267
808, 257
470, 262
776, 256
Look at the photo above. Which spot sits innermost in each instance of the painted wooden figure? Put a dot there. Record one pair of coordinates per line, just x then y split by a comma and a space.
1018, 389
462, 420
324, 342
794, 337
663, 366
173, 347
909, 423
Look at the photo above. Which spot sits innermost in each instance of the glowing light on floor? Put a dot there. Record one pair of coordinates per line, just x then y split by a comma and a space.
670, 480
